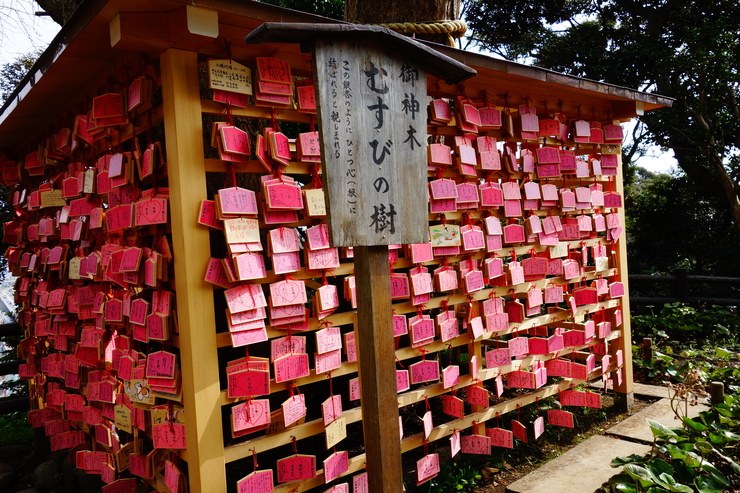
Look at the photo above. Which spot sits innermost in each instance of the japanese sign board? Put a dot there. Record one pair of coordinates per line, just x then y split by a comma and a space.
373, 127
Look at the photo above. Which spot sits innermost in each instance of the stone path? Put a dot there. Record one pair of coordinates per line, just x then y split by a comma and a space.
585, 467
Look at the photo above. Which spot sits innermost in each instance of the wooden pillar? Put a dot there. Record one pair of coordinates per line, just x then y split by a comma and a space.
625, 392
378, 370
191, 247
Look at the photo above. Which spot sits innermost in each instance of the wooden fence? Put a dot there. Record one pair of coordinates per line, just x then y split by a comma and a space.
685, 288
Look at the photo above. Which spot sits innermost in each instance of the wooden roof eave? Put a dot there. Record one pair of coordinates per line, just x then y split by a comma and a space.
517, 72
81, 52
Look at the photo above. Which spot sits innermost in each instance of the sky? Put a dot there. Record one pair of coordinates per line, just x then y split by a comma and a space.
22, 32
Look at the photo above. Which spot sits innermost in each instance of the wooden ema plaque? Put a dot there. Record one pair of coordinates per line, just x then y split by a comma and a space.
373, 143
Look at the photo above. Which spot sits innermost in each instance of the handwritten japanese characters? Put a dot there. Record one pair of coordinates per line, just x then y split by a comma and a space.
371, 112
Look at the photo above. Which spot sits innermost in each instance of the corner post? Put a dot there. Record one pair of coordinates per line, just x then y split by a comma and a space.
624, 393
198, 348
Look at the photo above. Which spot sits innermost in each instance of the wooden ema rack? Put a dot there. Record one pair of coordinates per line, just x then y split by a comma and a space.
84, 363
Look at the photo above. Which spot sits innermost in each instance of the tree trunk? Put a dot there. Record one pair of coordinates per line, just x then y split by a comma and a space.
716, 181
390, 11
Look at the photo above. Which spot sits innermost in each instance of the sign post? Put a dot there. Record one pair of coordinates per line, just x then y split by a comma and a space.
374, 156
371, 88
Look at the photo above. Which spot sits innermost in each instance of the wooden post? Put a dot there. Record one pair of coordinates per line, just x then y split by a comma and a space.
681, 288
647, 348
198, 348
624, 393
377, 370
717, 393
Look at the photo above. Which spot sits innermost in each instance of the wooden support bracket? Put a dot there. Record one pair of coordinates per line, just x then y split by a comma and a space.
187, 28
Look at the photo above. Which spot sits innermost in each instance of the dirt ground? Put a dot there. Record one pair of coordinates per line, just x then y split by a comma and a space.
496, 479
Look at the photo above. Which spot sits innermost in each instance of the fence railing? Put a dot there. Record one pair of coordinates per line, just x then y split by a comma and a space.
692, 289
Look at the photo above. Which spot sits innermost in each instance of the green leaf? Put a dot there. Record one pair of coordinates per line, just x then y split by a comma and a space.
717, 438
659, 466
640, 474
675, 452
722, 353
659, 430
626, 487
692, 460
716, 474
673, 485
694, 425
730, 435
707, 484
703, 446
627, 459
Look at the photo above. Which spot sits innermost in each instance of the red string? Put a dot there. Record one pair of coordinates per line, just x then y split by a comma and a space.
316, 182
232, 171
254, 458
273, 120
427, 407
295, 444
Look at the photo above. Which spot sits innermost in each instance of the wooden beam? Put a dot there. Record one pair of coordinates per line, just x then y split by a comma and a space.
187, 28
622, 110
377, 370
198, 349
625, 395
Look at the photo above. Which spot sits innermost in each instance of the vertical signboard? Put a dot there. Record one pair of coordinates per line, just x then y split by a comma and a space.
373, 128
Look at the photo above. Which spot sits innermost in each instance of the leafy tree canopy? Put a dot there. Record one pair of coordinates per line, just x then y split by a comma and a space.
11, 74
672, 224
680, 48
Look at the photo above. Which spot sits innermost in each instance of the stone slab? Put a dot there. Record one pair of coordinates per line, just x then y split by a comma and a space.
582, 469
642, 389
636, 427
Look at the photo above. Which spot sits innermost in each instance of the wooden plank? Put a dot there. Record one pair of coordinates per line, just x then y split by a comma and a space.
198, 350
378, 370
215, 108
372, 144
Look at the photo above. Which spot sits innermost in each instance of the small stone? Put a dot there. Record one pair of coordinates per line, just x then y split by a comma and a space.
7, 475
508, 466
45, 476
